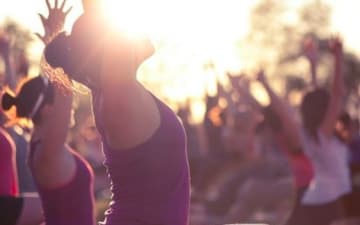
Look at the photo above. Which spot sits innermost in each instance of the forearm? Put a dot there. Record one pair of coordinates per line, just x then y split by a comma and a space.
57, 124
251, 100
336, 97
288, 121
9, 73
275, 102
313, 73
338, 85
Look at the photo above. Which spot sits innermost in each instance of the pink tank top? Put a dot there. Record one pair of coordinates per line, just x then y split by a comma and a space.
300, 164
151, 182
8, 173
72, 203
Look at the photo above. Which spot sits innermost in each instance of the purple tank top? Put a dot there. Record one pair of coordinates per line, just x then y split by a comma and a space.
150, 183
72, 203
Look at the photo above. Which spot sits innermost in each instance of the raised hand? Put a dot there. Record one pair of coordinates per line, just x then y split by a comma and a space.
311, 52
235, 79
261, 77
55, 21
310, 48
4, 45
336, 46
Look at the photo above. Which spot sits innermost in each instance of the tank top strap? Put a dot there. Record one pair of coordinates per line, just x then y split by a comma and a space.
33, 146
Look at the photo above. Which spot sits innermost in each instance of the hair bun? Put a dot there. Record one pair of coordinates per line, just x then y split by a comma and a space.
8, 101
57, 52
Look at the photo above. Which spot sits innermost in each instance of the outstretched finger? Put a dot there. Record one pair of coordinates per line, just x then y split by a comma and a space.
62, 5
43, 19
48, 4
40, 37
67, 11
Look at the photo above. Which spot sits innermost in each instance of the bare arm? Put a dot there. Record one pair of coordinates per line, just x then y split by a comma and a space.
244, 91
337, 90
57, 121
52, 163
312, 55
5, 51
289, 125
31, 212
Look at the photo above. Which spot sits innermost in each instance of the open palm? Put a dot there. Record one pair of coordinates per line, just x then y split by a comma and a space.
55, 21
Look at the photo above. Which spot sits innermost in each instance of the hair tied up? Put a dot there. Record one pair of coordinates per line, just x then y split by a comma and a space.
8, 101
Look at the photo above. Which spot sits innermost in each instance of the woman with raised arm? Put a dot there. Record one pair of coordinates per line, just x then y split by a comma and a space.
64, 180
320, 110
143, 140
286, 133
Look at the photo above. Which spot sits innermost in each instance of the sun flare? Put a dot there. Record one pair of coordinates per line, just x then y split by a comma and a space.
185, 21
192, 34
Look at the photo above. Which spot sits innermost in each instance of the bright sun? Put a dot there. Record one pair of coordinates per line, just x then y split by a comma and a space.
196, 21
192, 33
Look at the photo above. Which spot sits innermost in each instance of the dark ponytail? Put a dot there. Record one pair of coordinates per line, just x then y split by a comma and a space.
33, 95
7, 101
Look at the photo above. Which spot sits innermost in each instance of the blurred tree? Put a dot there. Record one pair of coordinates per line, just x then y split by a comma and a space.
20, 36
266, 33
270, 35
20, 39
315, 18
275, 42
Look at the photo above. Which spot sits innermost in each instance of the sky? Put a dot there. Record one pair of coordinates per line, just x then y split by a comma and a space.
178, 22
345, 14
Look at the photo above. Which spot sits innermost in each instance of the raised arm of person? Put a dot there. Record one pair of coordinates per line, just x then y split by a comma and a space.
106, 61
243, 89
5, 51
312, 55
54, 23
337, 89
278, 105
56, 119
51, 156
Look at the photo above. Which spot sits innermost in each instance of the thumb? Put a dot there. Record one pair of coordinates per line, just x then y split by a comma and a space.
43, 19
39, 36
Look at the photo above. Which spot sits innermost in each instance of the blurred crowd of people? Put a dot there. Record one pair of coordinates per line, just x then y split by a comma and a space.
258, 162
249, 163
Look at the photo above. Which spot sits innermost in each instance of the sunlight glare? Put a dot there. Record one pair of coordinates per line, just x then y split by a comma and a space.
198, 22
191, 33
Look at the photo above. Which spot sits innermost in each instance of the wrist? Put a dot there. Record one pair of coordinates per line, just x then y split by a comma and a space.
7, 58
313, 61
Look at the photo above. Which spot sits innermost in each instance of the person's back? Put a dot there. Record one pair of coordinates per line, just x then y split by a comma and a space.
150, 182
331, 173
70, 203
